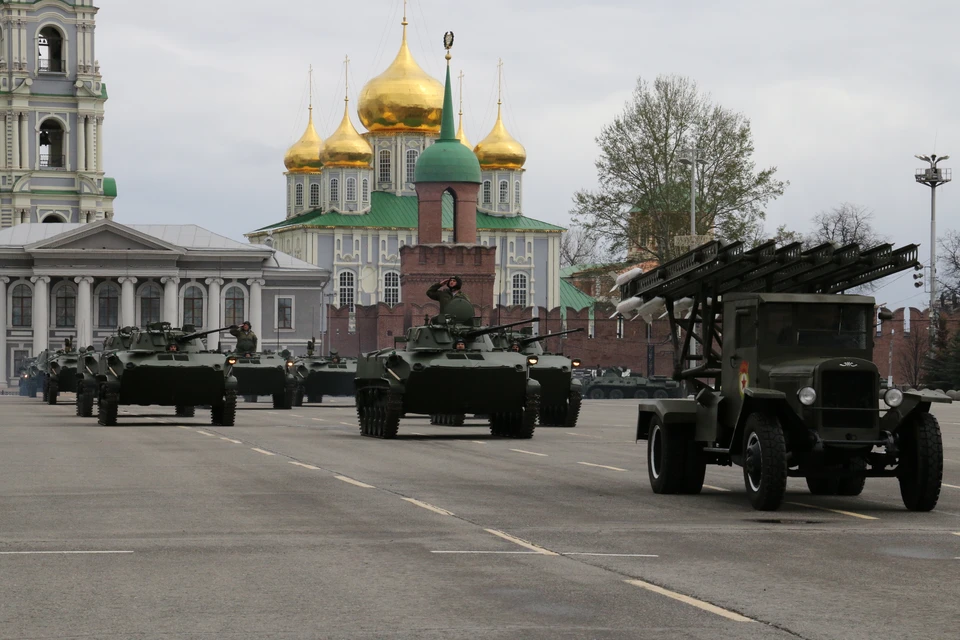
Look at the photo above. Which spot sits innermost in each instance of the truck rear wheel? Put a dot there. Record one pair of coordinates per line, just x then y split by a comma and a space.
665, 458
921, 462
764, 462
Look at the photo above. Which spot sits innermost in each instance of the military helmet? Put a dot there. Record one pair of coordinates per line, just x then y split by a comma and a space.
458, 283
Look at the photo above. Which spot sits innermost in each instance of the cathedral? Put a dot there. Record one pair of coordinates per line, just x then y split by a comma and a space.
351, 201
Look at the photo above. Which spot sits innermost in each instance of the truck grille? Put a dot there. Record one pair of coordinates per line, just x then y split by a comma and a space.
845, 390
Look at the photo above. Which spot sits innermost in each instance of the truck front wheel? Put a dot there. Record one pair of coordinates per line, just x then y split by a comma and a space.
921, 462
665, 458
764, 462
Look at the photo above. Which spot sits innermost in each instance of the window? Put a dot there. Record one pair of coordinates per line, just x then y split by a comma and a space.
365, 190
284, 313
351, 189
334, 190
314, 195
347, 289
22, 306
233, 303
51, 145
412, 155
50, 49
516, 194
504, 192
149, 304
193, 306
487, 195
520, 289
747, 330
385, 166
299, 197
66, 307
391, 288
108, 307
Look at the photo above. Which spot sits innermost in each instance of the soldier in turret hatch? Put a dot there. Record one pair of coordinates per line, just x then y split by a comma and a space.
334, 356
453, 301
246, 338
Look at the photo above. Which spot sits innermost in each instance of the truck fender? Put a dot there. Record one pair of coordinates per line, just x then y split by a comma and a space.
766, 400
678, 411
913, 402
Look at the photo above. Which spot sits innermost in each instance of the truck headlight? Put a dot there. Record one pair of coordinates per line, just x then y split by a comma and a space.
893, 398
532, 360
807, 396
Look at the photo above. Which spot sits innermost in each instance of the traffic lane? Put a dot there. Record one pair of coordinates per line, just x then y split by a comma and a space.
262, 546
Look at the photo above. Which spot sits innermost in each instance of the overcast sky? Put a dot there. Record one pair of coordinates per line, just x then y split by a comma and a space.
206, 95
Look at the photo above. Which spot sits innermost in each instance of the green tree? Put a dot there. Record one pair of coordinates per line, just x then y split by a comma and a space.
643, 199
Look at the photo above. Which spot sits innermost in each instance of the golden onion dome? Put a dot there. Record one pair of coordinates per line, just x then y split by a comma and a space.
345, 147
402, 98
499, 150
304, 155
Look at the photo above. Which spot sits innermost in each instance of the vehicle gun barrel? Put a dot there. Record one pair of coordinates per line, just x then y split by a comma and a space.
525, 341
476, 333
199, 334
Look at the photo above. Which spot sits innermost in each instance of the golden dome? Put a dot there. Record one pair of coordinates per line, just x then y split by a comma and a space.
499, 150
304, 155
345, 147
402, 98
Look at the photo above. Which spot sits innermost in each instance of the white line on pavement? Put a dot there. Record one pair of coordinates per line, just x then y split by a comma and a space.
273, 413
530, 453
417, 433
840, 511
601, 466
231, 440
349, 424
179, 426
37, 553
295, 415
355, 482
305, 466
956, 533
952, 486
710, 486
266, 453
611, 555
318, 419
700, 604
206, 433
521, 542
429, 507
583, 435
510, 553
478, 442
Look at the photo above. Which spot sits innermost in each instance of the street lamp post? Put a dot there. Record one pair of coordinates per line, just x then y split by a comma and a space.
933, 176
689, 158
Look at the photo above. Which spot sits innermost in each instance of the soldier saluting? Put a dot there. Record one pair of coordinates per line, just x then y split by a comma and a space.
246, 338
453, 285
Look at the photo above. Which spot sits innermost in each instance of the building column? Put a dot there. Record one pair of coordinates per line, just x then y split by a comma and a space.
128, 313
90, 143
24, 141
4, 374
84, 311
99, 142
15, 152
41, 313
3, 143
81, 143
256, 303
213, 311
170, 306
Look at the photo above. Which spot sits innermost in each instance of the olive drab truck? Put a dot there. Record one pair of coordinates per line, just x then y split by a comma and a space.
782, 380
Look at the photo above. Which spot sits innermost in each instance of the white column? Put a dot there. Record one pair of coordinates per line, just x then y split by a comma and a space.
128, 314
15, 152
90, 143
170, 300
256, 303
3, 143
24, 141
4, 374
99, 142
81, 143
84, 311
213, 311
41, 313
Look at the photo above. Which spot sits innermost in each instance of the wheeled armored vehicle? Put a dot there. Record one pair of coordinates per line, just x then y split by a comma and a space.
160, 365
266, 374
784, 381
320, 376
450, 369
615, 386
59, 368
27, 374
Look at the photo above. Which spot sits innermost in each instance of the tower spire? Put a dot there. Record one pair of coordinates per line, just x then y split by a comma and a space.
346, 78
499, 85
404, 23
310, 89
447, 131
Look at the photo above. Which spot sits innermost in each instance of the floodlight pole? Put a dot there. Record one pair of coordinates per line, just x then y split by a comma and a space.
933, 177
692, 161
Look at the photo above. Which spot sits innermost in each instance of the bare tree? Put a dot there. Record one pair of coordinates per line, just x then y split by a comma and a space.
912, 355
580, 246
643, 200
845, 224
948, 269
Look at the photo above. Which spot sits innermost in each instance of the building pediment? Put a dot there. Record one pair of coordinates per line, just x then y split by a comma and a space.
105, 236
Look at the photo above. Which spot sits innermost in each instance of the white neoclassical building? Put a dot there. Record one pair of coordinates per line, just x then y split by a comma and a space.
83, 281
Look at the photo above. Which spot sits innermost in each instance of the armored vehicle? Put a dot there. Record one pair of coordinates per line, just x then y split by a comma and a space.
161, 365
59, 369
615, 386
784, 381
266, 374
27, 374
450, 369
87, 385
320, 376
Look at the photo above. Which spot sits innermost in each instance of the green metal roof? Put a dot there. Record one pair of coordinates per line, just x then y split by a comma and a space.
574, 269
103, 90
110, 187
573, 298
400, 212
447, 160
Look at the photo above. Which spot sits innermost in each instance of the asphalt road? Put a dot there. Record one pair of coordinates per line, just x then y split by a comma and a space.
290, 525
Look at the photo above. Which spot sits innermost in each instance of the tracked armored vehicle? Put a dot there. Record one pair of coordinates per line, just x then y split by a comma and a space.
161, 365
266, 374
615, 386
59, 369
320, 376
784, 381
450, 369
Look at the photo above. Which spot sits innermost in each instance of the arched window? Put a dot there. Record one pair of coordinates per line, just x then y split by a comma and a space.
22, 306
50, 48
391, 288
347, 289
504, 192
334, 190
314, 195
51, 145
108, 307
299, 197
412, 155
351, 189
150, 296
193, 306
365, 190
516, 194
520, 289
385, 166
66, 307
233, 306
487, 194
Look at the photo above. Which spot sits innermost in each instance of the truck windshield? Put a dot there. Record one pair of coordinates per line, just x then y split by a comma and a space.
817, 325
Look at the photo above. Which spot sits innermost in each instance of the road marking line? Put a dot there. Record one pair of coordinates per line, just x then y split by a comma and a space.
231, 440
956, 533
583, 435
601, 466
273, 413
355, 482
206, 433
611, 555
700, 604
266, 453
522, 543
305, 466
952, 486
710, 486
349, 424
953, 461
840, 511
295, 415
416, 433
318, 419
179, 426
37, 553
429, 507
530, 453
511, 553
478, 442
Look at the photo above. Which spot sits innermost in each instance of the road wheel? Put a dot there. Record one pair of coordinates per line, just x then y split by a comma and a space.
525, 421
764, 462
921, 462
298, 398
53, 390
640, 394
183, 411
46, 393
823, 486
597, 394
660, 393
278, 400
853, 486
289, 396
665, 458
85, 403
695, 468
616, 394
107, 409
572, 410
